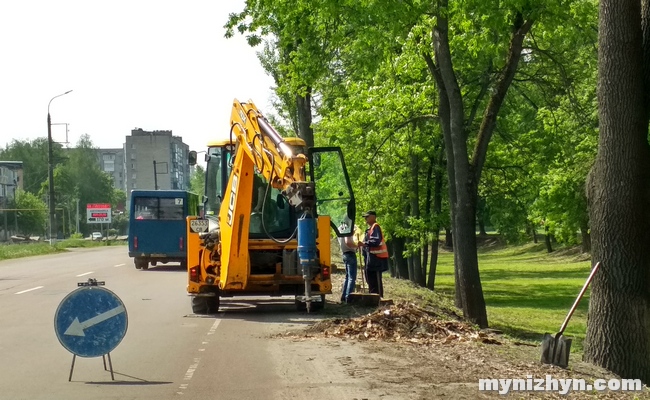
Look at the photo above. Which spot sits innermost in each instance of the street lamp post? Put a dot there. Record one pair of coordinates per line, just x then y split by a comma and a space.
50, 167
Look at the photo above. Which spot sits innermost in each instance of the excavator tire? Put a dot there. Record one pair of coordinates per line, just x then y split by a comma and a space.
205, 305
213, 304
199, 305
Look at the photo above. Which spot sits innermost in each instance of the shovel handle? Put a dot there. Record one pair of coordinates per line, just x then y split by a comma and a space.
575, 303
363, 269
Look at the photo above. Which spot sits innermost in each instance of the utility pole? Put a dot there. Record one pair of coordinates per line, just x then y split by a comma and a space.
50, 168
155, 176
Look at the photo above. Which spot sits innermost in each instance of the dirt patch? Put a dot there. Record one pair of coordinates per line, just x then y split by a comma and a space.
413, 353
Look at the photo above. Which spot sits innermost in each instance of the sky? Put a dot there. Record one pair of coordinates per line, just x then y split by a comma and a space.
150, 64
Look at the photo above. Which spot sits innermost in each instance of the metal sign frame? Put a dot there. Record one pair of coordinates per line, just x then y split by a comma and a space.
98, 213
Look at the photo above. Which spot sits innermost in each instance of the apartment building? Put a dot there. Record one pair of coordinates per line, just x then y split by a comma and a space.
111, 161
155, 160
11, 179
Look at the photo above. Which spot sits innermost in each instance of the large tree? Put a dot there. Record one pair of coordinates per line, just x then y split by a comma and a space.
618, 326
464, 170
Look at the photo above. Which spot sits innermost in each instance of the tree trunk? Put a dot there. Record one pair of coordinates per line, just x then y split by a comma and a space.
534, 229
392, 268
400, 263
416, 274
445, 125
437, 210
409, 263
586, 237
480, 217
431, 282
618, 325
419, 277
547, 240
305, 130
449, 238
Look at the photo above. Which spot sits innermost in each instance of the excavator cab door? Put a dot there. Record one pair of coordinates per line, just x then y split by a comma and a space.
334, 196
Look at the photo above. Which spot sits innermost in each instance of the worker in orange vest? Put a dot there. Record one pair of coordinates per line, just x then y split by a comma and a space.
376, 253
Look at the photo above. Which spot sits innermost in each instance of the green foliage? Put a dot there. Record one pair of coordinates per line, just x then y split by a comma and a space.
120, 224
81, 179
32, 215
197, 180
10, 251
375, 97
33, 154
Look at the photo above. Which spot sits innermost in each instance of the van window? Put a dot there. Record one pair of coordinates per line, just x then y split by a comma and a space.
158, 208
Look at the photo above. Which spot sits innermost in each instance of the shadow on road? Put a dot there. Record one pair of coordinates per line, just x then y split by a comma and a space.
273, 310
165, 268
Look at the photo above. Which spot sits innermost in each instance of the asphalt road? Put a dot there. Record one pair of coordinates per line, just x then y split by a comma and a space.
167, 352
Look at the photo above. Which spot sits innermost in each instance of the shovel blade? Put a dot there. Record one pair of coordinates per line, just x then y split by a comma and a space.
556, 350
364, 299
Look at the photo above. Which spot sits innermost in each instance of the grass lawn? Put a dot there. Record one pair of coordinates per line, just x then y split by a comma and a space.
9, 251
528, 292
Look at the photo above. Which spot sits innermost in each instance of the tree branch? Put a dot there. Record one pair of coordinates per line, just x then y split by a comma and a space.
521, 29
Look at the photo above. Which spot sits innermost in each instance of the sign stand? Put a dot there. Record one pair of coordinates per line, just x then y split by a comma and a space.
110, 363
90, 322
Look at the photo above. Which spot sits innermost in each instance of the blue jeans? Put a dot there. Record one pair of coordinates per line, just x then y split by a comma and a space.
350, 261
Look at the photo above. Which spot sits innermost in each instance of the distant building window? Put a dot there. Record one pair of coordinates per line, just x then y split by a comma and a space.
109, 166
133, 176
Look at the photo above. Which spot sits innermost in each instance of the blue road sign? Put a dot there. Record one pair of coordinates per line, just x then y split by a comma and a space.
90, 321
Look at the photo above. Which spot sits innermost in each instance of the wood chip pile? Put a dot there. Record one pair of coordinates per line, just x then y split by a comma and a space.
402, 322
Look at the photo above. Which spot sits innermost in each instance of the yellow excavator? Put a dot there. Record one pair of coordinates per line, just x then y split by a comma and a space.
269, 205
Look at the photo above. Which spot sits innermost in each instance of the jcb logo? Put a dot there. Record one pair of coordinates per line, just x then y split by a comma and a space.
231, 204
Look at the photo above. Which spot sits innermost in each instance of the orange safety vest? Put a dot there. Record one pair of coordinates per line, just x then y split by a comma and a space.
380, 251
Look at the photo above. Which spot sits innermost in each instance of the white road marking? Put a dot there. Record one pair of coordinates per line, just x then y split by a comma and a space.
195, 365
214, 327
29, 290
119, 265
85, 273
191, 369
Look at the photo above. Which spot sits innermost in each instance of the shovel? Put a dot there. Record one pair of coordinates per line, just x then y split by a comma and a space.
555, 350
363, 298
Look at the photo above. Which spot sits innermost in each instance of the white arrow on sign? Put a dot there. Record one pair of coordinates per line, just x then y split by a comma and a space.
76, 328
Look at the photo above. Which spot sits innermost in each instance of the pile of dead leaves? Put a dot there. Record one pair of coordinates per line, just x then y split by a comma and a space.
403, 322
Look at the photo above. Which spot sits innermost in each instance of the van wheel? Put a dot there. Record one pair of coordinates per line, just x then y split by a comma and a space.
141, 264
